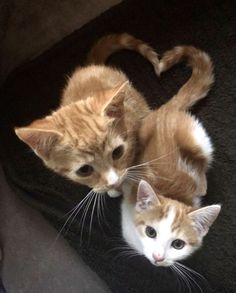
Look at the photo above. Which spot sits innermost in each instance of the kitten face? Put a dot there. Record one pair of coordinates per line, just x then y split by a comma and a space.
168, 230
163, 244
101, 164
88, 141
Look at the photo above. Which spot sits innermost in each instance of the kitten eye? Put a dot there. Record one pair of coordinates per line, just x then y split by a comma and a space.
85, 171
117, 152
150, 232
178, 244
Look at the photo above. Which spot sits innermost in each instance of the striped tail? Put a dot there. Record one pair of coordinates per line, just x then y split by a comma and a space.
200, 81
116, 42
193, 90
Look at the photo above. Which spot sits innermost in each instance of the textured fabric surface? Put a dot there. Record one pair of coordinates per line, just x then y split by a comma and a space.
33, 261
34, 90
28, 28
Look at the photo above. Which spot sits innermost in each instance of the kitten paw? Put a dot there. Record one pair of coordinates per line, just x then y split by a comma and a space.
113, 193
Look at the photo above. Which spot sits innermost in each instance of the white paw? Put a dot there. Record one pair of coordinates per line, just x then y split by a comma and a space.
113, 193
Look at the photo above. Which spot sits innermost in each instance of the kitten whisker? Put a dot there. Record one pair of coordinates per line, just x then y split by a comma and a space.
100, 210
183, 277
142, 175
92, 214
126, 253
138, 174
75, 211
142, 171
148, 162
75, 215
190, 277
133, 179
187, 275
83, 217
70, 211
103, 199
192, 271
99, 214
184, 280
179, 280
73, 218
104, 207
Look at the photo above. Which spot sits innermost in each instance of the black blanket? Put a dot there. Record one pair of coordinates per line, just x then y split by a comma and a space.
34, 89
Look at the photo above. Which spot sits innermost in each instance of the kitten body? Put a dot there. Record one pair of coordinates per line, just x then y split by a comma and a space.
91, 137
164, 222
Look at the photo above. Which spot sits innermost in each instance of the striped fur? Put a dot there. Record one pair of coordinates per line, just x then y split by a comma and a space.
100, 108
116, 42
196, 87
201, 80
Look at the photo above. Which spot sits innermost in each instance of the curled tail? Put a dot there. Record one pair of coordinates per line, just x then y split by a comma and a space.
112, 43
200, 81
193, 90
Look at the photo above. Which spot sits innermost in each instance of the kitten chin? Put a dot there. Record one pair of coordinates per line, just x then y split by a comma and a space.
114, 193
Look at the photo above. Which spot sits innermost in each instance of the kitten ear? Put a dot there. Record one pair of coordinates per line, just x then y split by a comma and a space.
41, 135
146, 197
114, 108
203, 218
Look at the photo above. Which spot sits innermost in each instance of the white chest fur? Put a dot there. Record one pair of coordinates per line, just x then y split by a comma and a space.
128, 227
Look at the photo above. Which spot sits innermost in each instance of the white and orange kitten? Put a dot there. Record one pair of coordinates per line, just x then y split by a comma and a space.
164, 230
163, 221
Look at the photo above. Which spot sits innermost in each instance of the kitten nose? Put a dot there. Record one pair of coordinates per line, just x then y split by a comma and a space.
112, 178
157, 257
116, 185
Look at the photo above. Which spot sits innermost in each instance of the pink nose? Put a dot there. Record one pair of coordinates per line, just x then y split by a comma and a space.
158, 257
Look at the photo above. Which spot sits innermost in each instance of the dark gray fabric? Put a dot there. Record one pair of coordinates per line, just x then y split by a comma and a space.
34, 90
28, 28
33, 260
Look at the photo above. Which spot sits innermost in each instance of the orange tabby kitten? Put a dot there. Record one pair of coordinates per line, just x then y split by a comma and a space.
91, 137
164, 222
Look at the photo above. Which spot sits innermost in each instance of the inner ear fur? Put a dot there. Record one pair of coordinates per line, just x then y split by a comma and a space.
146, 197
114, 108
204, 217
41, 135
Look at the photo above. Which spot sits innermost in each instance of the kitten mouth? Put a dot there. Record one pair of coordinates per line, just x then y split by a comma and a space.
114, 193
101, 191
161, 264
118, 186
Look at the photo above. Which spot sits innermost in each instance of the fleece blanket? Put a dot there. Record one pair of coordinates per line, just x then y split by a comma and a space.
34, 89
